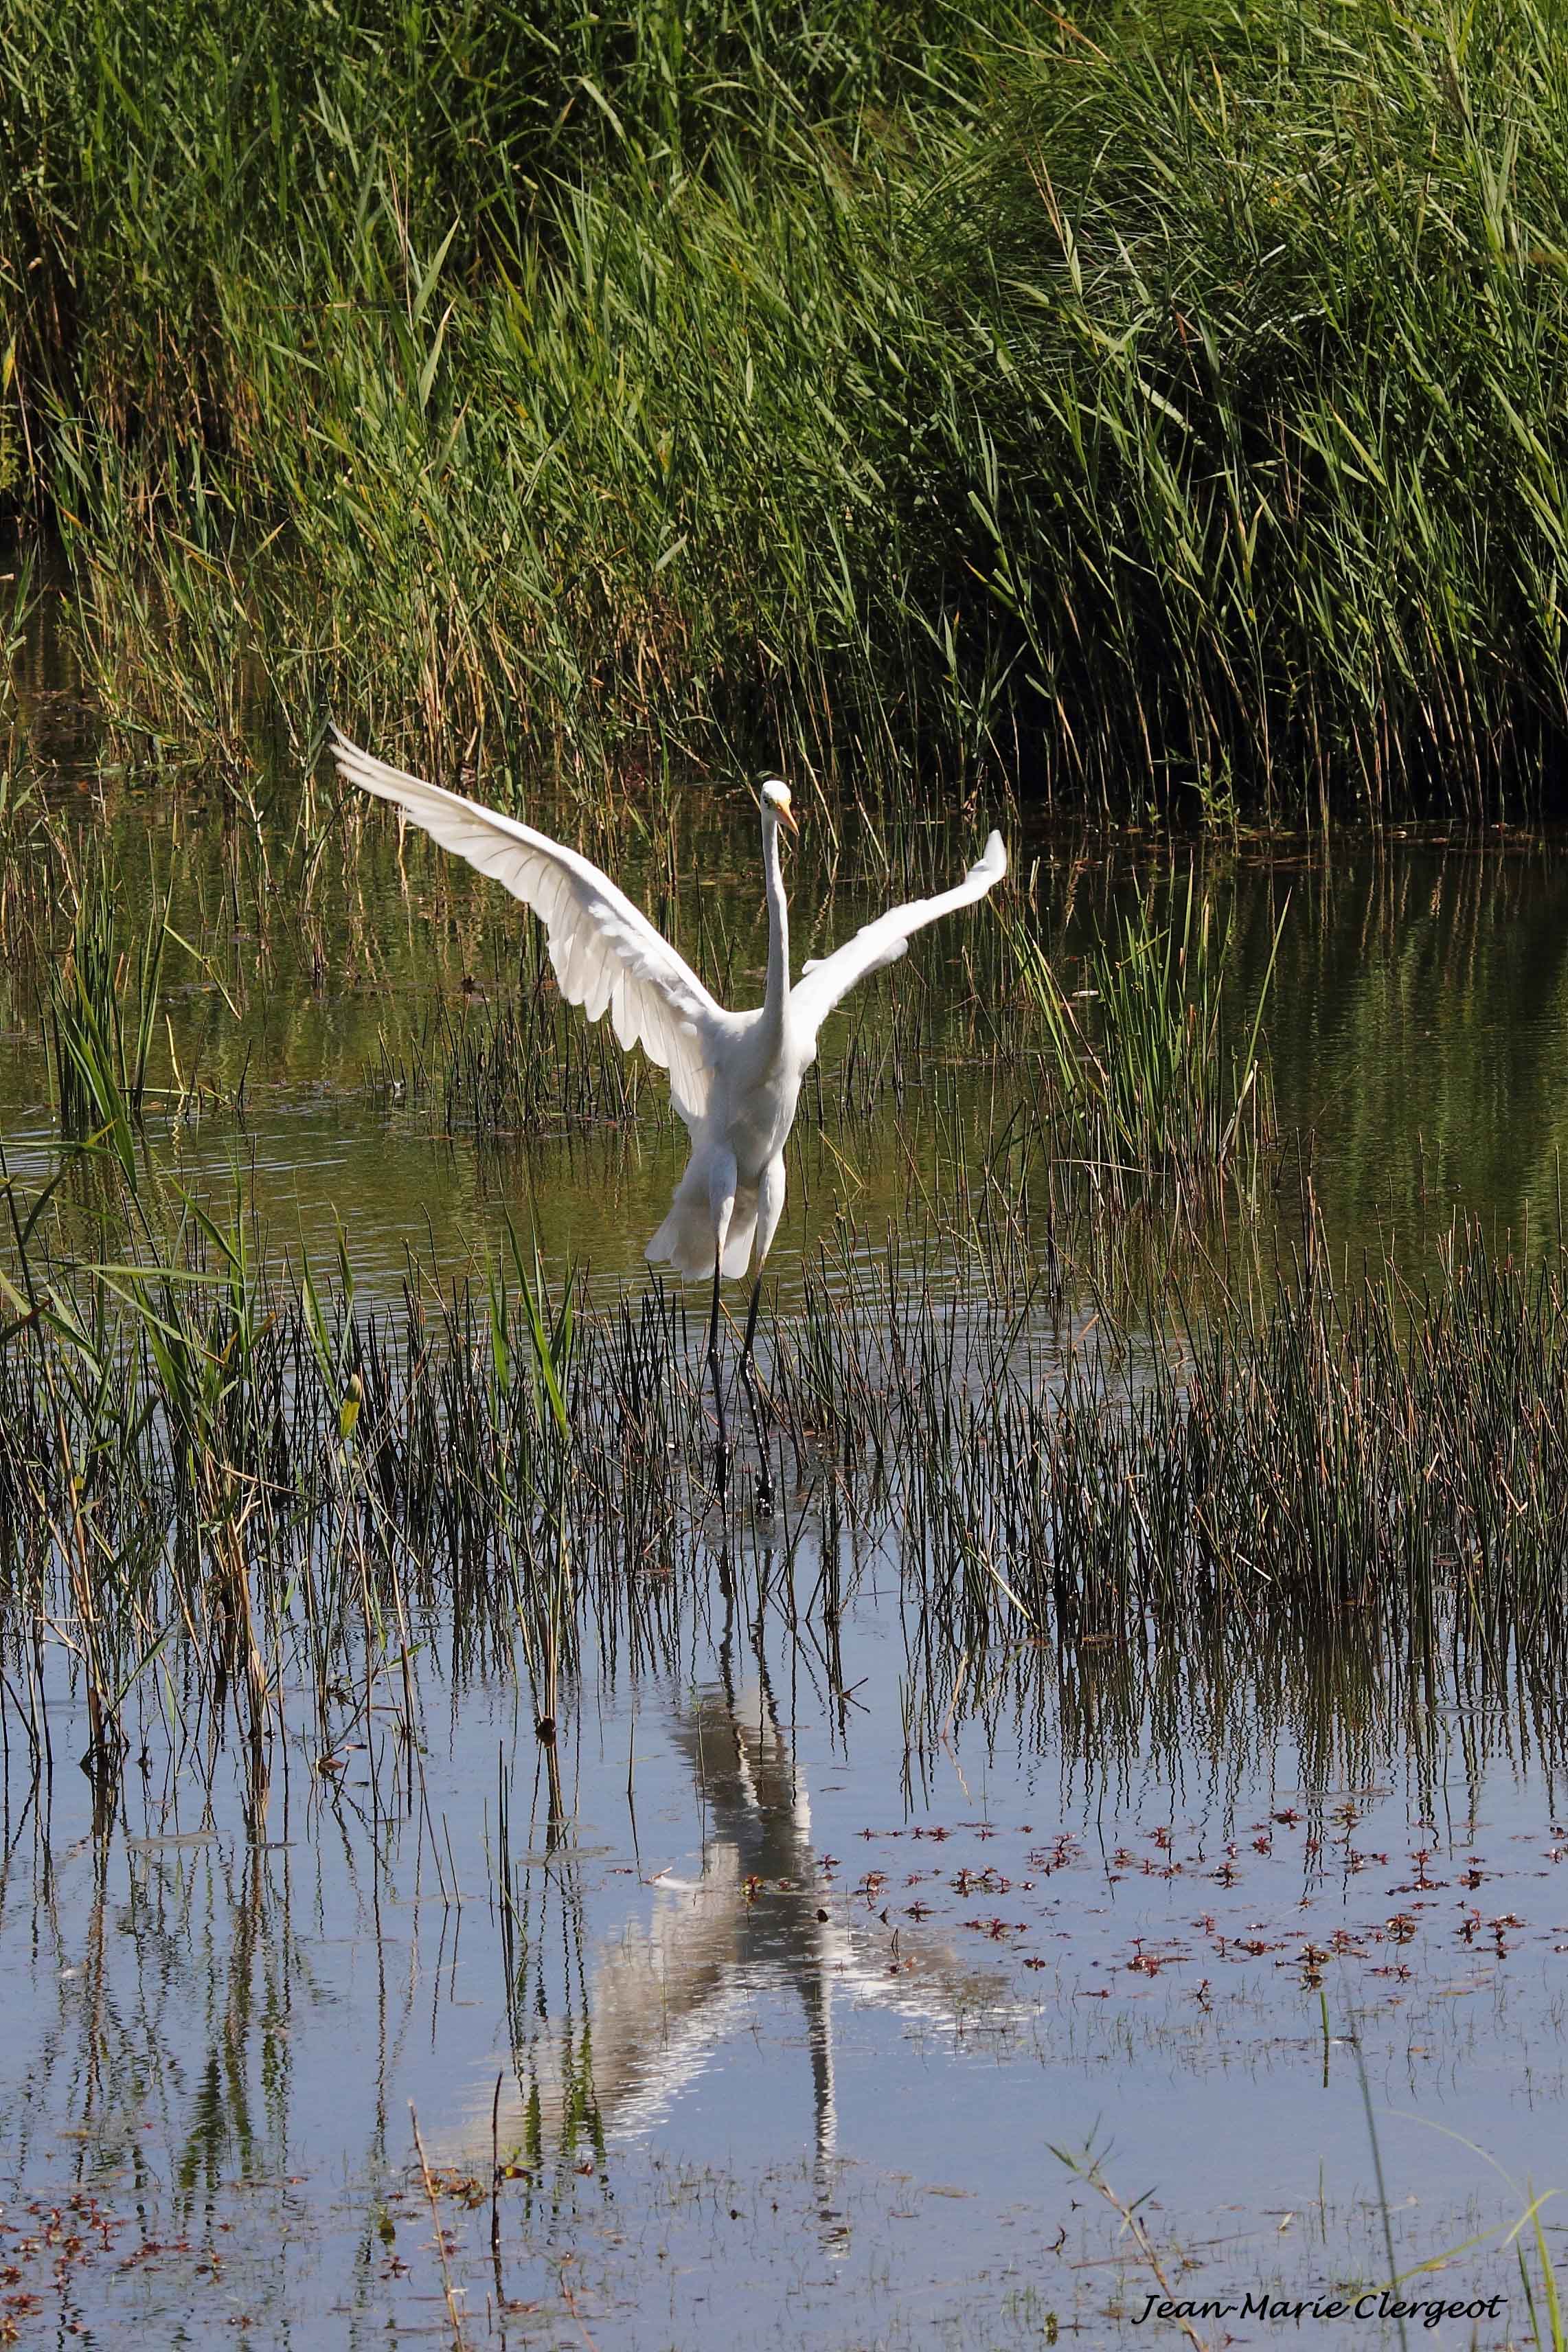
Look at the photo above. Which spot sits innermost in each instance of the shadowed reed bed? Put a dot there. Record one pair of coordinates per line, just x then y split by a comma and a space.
1155, 407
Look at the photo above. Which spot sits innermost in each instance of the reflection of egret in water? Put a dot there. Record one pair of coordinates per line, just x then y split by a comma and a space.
641, 2013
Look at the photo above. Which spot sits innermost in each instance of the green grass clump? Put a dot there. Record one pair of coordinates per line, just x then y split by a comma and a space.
1160, 406
1144, 1076
103, 1018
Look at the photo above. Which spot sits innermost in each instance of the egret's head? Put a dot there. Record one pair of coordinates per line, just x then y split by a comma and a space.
776, 796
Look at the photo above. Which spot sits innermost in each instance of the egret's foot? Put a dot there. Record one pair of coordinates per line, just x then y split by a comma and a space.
758, 1430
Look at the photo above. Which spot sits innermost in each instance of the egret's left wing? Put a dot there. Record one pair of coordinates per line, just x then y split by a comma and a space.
822, 985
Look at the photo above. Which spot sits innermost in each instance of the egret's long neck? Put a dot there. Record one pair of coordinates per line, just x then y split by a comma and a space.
777, 996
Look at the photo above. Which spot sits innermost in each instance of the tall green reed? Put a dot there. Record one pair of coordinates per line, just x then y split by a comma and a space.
1162, 418
1548, 2329
1140, 1059
103, 1014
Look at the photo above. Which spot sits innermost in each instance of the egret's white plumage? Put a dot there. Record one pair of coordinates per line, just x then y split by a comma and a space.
734, 1077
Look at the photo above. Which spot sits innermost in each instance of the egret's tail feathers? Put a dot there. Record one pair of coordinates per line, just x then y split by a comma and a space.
685, 1240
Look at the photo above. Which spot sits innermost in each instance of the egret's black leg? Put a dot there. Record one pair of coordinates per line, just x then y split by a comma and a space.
717, 1384
748, 1375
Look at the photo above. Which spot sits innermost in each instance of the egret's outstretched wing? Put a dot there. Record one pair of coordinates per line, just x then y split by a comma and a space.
607, 956
821, 985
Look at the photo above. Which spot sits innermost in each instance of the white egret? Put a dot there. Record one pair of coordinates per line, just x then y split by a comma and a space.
734, 1077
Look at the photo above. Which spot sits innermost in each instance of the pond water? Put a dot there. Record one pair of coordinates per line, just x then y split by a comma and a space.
799, 2004
1417, 1024
776, 2037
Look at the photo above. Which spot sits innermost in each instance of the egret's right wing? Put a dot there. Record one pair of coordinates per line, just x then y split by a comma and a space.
607, 956
821, 985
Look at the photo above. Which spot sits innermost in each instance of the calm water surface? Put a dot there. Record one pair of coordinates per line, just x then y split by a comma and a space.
784, 2001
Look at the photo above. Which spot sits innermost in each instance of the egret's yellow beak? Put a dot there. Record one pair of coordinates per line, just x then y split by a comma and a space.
774, 795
